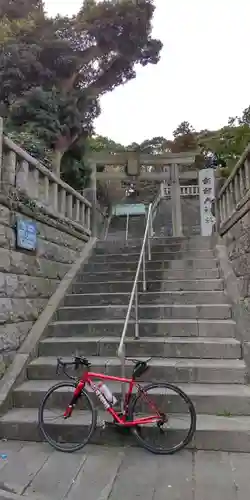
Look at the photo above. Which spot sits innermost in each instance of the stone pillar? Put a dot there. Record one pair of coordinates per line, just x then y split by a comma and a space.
93, 199
9, 170
176, 201
1, 146
162, 189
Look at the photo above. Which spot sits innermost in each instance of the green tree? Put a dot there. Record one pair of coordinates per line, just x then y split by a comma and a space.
185, 138
155, 146
134, 146
18, 9
228, 143
18, 18
184, 128
69, 63
100, 143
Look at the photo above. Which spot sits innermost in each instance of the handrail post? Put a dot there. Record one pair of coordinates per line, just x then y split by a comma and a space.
1, 147
127, 223
149, 248
149, 234
136, 314
151, 225
123, 375
144, 271
134, 295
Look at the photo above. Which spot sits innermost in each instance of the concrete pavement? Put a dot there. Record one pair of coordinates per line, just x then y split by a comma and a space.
33, 471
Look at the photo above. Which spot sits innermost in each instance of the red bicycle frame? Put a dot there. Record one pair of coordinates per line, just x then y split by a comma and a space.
87, 379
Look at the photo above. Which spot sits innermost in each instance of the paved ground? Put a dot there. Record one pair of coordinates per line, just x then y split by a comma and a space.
34, 470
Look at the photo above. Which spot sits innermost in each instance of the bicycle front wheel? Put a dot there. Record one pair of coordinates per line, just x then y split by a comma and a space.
69, 434
180, 418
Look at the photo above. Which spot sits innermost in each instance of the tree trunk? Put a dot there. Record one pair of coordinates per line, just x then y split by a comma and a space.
62, 145
89, 55
56, 162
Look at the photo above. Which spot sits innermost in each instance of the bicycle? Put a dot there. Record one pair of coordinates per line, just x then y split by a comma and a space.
126, 418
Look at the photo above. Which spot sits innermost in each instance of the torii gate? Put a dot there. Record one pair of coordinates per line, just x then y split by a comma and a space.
170, 163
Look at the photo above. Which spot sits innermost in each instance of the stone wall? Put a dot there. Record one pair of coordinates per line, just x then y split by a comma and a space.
237, 241
27, 280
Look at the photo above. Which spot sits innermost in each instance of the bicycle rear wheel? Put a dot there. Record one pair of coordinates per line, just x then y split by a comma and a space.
70, 434
180, 425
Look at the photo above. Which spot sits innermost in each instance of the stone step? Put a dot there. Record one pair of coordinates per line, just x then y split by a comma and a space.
222, 433
120, 286
211, 399
188, 239
147, 328
195, 243
175, 298
137, 222
146, 311
155, 274
171, 347
184, 264
115, 247
172, 370
195, 240
163, 255
205, 240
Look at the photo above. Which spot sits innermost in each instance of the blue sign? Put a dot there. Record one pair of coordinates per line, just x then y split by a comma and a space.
26, 234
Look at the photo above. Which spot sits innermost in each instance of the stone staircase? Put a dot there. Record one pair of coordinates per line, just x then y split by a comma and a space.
190, 217
117, 227
185, 324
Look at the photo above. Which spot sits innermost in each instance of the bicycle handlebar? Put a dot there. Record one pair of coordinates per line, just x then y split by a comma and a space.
76, 362
81, 361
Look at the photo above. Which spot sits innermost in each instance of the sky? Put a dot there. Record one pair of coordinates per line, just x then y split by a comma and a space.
203, 75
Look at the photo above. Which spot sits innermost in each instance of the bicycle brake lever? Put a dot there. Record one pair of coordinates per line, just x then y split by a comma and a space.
77, 361
58, 365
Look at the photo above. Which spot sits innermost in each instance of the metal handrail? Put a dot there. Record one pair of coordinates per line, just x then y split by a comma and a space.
134, 293
155, 205
142, 260
148, 235
127, 224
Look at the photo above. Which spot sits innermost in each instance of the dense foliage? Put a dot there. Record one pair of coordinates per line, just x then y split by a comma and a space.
53, 71
220, 148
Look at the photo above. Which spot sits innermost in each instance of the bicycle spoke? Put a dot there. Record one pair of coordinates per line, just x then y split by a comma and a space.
72, 433
174, 406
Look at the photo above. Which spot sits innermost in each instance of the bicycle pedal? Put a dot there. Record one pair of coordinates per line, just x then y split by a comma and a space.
108, 423
103, 425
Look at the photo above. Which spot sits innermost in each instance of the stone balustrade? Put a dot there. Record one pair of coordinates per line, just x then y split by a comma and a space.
63, 219
233, 200
21, 173
192, 190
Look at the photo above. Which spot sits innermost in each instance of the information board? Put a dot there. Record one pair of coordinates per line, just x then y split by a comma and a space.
129, 209
26, 234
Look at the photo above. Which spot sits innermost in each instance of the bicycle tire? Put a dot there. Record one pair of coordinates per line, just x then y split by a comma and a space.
191, 430
45, 434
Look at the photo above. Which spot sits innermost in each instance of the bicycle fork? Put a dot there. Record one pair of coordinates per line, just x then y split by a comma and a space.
76, 395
